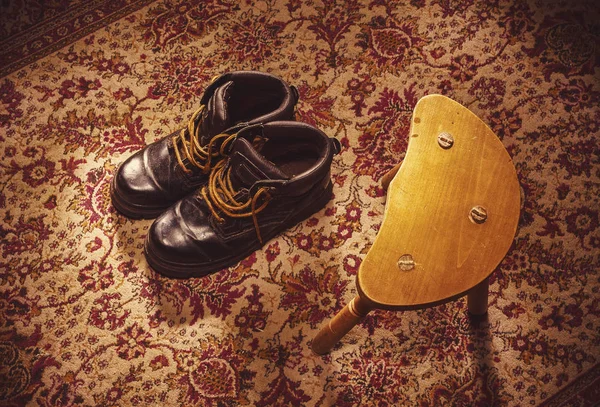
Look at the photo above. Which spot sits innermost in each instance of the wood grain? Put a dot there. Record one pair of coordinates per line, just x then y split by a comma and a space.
427, 212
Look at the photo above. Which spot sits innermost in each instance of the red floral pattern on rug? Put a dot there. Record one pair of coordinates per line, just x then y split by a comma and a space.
84, 321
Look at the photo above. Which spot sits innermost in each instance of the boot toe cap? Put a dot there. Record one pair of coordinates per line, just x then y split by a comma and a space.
132, 179
135, 191
170, 240
177, 249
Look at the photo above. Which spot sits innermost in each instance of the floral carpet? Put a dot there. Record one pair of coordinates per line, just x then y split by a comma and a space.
84, 321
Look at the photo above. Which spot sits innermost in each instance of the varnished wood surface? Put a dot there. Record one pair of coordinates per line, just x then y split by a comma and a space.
340, 325
427, 212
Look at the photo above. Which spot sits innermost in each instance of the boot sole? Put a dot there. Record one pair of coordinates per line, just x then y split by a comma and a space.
183, 271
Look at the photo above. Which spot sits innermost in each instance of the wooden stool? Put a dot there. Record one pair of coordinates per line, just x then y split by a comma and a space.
450, 217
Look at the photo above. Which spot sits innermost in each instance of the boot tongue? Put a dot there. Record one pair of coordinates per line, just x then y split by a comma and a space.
249, 166
216, 118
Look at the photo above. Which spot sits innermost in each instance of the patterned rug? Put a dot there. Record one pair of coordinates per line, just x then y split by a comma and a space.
84, 321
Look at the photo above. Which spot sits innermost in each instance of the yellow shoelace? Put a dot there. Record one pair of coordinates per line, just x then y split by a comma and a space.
219, 195
196, 154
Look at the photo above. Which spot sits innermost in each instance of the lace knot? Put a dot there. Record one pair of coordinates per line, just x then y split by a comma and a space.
222, 198
192, 151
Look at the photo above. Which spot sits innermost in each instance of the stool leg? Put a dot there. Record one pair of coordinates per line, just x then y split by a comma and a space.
340, 325
389, 176
477, 298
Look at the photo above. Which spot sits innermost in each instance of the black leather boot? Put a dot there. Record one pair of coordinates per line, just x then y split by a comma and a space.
262, 189
163, 172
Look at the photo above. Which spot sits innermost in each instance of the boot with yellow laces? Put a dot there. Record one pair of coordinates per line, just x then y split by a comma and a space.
153, 179
260, 190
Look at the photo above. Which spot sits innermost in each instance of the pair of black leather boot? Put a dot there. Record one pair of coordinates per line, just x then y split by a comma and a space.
240, 173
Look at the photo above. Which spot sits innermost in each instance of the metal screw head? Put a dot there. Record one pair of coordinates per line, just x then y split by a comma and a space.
478, 214
445, 140
406, 262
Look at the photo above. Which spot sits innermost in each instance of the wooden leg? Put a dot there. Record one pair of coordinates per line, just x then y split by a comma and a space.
389, 176
340, 325
477, 298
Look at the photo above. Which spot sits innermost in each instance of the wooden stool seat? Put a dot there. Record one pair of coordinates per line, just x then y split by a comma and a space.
451, 214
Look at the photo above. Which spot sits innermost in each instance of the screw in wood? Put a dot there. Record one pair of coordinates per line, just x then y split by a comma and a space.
478, 214
406, 262
445, 140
